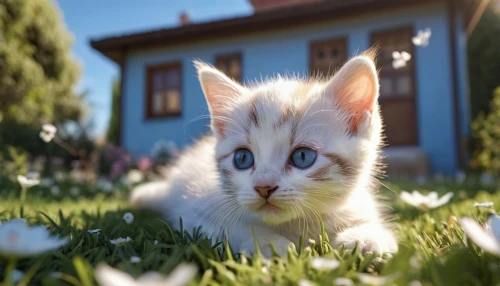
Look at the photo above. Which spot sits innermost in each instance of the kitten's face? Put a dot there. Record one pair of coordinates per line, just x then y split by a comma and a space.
290, 149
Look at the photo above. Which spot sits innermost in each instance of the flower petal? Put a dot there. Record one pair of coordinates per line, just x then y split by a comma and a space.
108, 276
494, 223
444, 199
479, 236
408, 198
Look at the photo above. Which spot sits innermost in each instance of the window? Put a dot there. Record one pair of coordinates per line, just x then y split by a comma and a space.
327, 56
163, 95
395, 82
230, 64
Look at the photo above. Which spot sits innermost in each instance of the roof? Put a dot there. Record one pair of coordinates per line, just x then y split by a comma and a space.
114, 47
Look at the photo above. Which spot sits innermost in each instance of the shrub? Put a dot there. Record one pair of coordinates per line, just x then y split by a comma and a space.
486, 134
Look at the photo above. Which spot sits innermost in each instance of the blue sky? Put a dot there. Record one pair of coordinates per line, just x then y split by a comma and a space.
88, 19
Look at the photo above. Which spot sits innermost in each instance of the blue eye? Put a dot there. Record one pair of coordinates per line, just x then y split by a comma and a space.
243, 159
303, 157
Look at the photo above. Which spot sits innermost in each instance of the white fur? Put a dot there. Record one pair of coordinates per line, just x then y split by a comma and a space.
198, 190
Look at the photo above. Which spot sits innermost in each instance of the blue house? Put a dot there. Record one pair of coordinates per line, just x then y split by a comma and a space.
424, 86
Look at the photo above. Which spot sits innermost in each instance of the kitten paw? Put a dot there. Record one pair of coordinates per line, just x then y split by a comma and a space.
369, 238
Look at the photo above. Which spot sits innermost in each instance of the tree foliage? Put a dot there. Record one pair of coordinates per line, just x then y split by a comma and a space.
37, 71
113, 134
484, 61
486, 132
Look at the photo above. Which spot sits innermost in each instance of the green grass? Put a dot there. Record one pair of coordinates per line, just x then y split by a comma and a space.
432, 246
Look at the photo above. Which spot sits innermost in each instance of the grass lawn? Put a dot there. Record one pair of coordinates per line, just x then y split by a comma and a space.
433, 250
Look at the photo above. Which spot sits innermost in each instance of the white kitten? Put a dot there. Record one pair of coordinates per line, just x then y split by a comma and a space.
284, 154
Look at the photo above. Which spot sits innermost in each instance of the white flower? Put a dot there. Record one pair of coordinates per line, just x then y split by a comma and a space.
399, 59
484, 205
47, 182
312, 241
305, 282
128, 218
422, 38
27, 183
135, 259
97, 230
120, 241
48, 132
17, 275
181, 275
74, 191
488, 238
342, 281
377, 280
55, 191
430, 201
324, 264
134, 176
17, 239
105, 185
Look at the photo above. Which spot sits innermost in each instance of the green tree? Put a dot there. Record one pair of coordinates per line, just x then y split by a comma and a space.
113, 134
486, 132
37, 71
484, 61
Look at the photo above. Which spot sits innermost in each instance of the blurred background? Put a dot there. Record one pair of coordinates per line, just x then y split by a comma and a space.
116, 79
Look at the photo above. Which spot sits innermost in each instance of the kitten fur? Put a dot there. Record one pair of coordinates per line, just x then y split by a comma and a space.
338, 118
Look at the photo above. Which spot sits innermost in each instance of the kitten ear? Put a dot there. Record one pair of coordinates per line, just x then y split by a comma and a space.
220, 92
355, 88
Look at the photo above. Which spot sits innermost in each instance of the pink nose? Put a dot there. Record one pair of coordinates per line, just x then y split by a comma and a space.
266, 191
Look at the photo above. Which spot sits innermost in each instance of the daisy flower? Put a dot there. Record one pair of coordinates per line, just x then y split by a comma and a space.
181, 275
48, 132
128, 218
427, 202
120, 241
17, 239
488, 237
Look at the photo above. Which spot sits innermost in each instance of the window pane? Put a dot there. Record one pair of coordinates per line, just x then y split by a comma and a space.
173, 78
157, 102
173, 103
327, 56
403, 85
386, 87
235, 69
158, 79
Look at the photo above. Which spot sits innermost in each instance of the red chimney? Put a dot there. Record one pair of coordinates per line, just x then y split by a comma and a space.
265, 5
184, 18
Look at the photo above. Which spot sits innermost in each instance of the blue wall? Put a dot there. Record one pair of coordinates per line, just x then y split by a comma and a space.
288, 52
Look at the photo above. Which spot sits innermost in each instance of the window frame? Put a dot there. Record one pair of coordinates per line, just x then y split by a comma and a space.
149, 114
342, 40
229, 56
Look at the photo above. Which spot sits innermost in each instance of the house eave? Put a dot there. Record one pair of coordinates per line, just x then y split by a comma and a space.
111, 47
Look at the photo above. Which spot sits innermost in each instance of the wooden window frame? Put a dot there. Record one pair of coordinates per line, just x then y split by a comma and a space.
342, 40
149, 89
411, 72
230, 56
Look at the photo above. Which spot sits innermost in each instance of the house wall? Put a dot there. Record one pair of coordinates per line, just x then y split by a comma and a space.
287, 51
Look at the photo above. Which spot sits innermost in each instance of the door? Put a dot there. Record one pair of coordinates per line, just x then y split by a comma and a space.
397, 85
